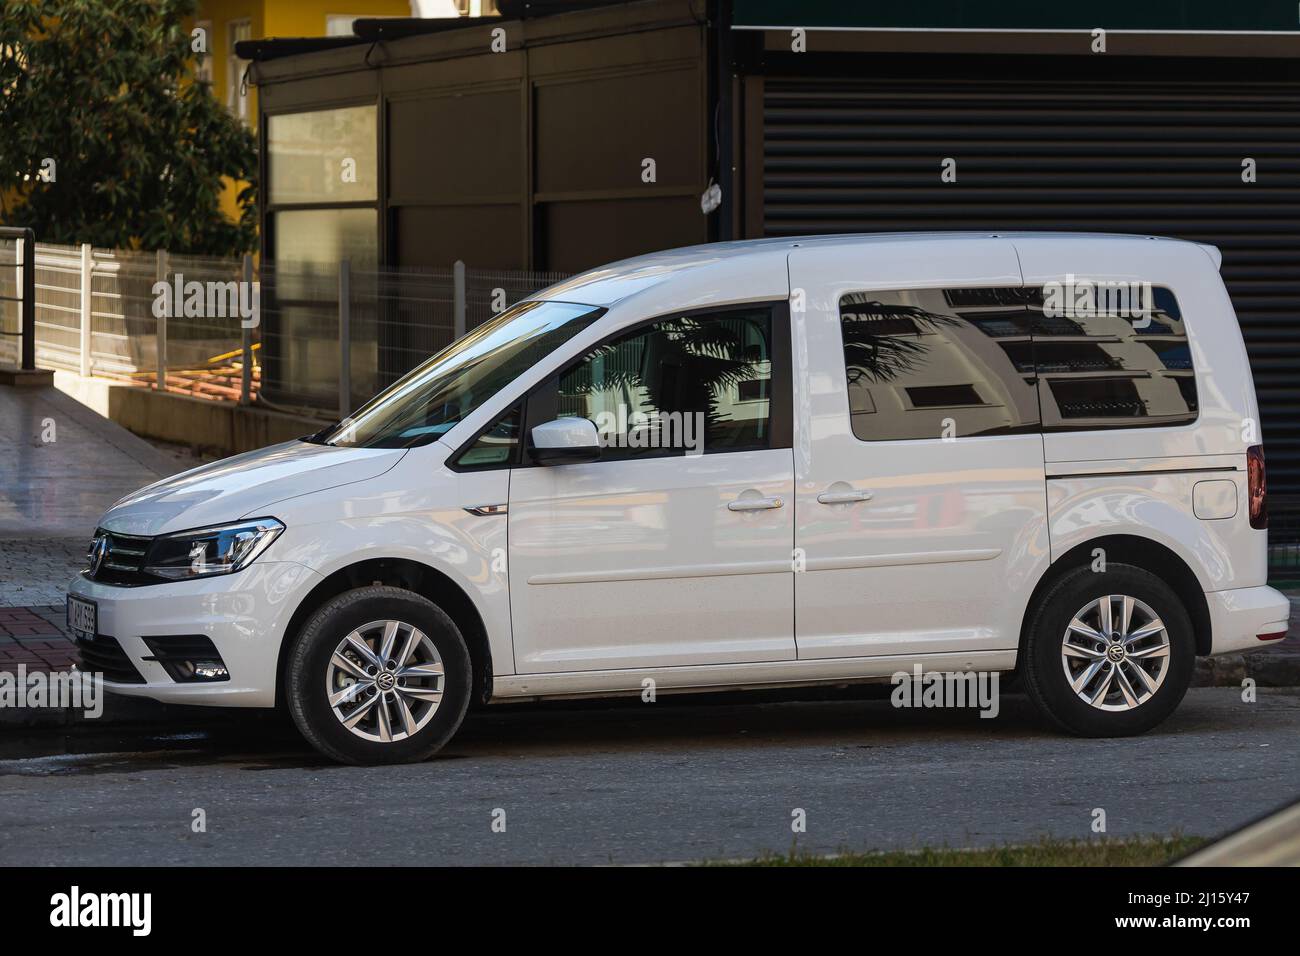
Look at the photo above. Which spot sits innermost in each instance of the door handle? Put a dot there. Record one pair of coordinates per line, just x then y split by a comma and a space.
755, 504
843, 497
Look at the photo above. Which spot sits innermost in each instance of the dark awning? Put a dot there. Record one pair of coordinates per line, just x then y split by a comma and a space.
380, 29
1153, 16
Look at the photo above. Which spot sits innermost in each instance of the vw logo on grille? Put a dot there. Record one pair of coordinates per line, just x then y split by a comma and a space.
98, 551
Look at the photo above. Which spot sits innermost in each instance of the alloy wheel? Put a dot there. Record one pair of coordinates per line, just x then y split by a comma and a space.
385, 681
1115, 653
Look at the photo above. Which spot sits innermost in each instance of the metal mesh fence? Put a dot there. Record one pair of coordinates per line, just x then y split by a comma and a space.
488, 292
299, 336
395, 320
202, 348
194, 324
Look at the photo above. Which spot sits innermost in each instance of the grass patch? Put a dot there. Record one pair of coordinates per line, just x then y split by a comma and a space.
1141, 851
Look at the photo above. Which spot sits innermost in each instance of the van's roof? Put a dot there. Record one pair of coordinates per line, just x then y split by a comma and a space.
609, 284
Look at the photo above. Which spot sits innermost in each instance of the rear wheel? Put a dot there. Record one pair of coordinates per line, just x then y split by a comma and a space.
378, 675
1108, 654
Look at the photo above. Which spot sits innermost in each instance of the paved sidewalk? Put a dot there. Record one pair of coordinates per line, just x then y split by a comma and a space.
37, 572
34, 643
61, 466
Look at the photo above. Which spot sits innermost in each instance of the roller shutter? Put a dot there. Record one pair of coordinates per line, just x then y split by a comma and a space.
1151, 156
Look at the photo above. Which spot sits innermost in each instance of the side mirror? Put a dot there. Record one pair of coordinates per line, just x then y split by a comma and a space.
564, 442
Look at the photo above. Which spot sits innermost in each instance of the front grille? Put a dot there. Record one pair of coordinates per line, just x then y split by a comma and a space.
180, 653
123, 562
104, 655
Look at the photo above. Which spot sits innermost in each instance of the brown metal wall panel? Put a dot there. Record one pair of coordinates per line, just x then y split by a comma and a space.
580, 235
1146, 156
594, 135
445, 148
433, 237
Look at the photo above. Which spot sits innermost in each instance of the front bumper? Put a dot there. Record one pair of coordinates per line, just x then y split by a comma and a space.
245, 615
1240, 615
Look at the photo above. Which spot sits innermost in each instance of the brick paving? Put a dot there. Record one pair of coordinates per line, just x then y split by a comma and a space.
35, 636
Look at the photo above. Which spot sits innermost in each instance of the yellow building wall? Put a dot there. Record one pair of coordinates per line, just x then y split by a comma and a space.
306, 18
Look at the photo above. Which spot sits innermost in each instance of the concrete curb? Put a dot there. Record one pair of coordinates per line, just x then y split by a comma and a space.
26, 378
1277, 668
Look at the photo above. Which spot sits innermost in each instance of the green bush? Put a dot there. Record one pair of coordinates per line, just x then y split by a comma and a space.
106, 89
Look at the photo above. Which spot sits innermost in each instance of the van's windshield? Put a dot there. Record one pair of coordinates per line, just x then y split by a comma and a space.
425, 403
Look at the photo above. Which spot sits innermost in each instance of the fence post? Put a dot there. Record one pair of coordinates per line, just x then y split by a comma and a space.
458, 299
162, 268
345, 338
27, 360
246, 343
87, 273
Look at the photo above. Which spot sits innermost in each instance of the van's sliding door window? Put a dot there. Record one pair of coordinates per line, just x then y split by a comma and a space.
938, 363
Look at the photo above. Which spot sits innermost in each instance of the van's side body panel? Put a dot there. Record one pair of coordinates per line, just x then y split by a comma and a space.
943, 555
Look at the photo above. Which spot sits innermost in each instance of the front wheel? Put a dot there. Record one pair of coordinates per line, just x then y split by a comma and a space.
1108, 654
378, 675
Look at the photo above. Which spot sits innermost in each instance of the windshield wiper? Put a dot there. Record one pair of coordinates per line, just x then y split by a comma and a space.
318, 437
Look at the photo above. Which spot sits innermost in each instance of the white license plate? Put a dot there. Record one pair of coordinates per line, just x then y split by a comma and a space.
82, 617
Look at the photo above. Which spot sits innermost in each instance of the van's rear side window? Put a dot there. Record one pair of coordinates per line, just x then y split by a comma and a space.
1112, 358
953, 363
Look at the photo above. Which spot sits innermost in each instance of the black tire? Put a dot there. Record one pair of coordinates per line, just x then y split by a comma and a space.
1043, 670
308, 664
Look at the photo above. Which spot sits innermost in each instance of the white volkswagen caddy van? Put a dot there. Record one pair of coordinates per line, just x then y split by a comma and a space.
747, 465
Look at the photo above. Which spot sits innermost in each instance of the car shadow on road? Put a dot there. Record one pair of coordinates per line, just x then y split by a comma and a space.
839, 718
265, 740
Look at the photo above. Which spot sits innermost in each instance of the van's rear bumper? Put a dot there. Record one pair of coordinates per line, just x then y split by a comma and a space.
1240, 616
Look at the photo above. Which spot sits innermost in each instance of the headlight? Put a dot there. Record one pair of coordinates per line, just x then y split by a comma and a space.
209, 551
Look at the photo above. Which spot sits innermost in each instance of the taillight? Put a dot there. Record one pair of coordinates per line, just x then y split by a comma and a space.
1256, 486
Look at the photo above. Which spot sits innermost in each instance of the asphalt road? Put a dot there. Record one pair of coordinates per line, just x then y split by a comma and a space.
642, 783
